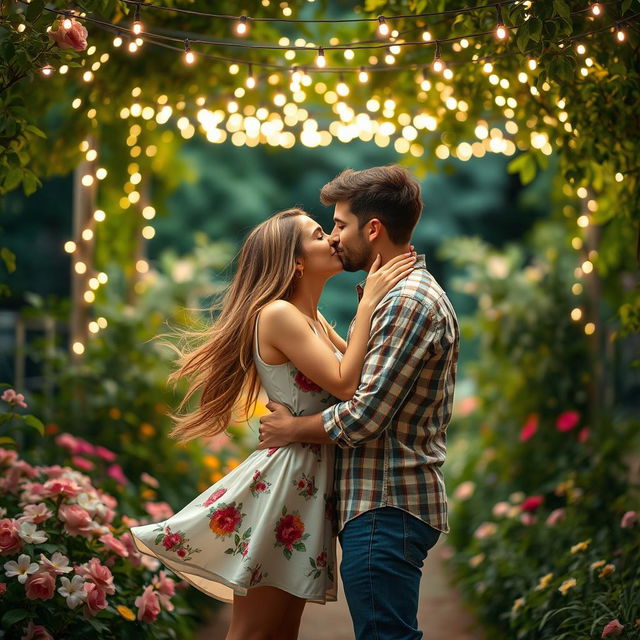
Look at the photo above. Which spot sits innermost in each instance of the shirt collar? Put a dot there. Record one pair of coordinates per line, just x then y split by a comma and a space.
419, 264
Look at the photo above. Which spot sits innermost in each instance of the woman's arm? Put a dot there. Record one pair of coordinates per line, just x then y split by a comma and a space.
284, 327
334, 336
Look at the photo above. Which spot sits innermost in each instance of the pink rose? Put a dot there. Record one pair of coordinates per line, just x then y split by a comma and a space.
567, 420
130, 546
170, 540
532, 503
10, 541
77, 520
85, 448
148, 605
529, 428
261, 486
96, 599
158, 510
613, 628
528, 519
60, 486
214, 497
68, 442
164, 584
115, 471
629, 519
82, 463
556, 516
10, 396
149, 479
289, 530
73, 38
97, 573
40, 585
36, 513
112, 543
36, 632
7, 456
105, 454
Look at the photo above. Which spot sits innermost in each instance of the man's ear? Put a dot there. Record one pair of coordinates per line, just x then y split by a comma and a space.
375, 228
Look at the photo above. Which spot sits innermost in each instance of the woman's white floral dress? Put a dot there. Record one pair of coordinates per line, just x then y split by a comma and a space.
270, 521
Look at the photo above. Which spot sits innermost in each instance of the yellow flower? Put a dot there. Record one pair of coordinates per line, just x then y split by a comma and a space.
212, 462
544, 582
597, 564
115, 413
566, 585
476, 560
215, 476
147, 429
148, 494
232, 463
517, 605
125, 612
581, 546
607, 570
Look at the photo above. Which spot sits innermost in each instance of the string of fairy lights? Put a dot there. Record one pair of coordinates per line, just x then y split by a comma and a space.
253, 123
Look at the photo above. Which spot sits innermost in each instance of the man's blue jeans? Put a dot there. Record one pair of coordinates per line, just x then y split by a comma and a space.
383, 551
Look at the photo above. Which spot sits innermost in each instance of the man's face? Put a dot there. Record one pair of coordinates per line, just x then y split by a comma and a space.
348, 240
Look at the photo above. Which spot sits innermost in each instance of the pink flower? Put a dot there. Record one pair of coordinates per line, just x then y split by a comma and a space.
567, 420
130, 546
532, 503
36, 632
115, 471
77, 520
10, 396
583, 434
271, 451
10, 541
214, 497
7, 456
150, 480
112, 543
40, 585
148, 605
528, 519
629, 519
60, 486
105, 454
68, 442
96, 599
485, 530
158, 510
73, 38
164, 584
97, 573
289, 530
261, 486
36, 513
556, 516
613, 628
82, 463
85, 448
529, 428
305, 383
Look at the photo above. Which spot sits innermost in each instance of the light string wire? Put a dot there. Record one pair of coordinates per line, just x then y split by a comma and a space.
153, 38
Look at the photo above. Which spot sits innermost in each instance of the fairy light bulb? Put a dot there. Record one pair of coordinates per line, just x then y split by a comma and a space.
133, 47
383, 27
438, 63
501, 31
596, 9
532, 64
341, 88
47, 70
67, 23
321, 60
363, 76
620, 34
251, 81
296, 76
242, 28
137, 25
189, 56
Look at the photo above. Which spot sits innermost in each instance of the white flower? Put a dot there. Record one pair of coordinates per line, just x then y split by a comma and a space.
22, 568
73, 591
29, 533
58, 563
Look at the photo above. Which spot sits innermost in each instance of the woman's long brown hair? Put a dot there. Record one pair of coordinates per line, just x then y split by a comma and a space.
218, 360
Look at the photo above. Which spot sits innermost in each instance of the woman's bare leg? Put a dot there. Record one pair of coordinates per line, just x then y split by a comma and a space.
265, 613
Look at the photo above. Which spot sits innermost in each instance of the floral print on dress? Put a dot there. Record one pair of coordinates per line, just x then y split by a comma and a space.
259, 484
241, 546
214, 497
225, 519
175, 541
305, 384
257, 575
314, 448
290, 533
319, 565
306, 486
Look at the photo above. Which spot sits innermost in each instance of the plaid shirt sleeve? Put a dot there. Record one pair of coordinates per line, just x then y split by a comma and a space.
403, 332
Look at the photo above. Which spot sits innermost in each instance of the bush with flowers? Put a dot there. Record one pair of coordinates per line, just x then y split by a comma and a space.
69, 567
542, 476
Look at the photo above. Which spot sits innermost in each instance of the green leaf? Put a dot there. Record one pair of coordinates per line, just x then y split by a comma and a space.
9, 259
34, 9
34, 422
13, 179
624, 7
535, 29
522, 37
525, 165
33, 129
13, 616
30, 183
562, 8
5, 440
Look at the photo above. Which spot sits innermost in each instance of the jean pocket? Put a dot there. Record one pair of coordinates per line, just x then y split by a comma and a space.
419, 538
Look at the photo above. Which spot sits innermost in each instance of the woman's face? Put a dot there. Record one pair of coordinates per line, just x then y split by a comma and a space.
319, 257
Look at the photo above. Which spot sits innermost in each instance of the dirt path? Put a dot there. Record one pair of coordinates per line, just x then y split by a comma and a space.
441, 613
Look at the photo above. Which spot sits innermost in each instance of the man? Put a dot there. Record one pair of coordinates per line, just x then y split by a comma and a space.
392, 434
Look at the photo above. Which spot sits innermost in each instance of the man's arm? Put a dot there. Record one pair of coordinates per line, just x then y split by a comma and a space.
279, 428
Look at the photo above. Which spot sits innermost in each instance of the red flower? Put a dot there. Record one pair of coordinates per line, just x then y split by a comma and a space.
261, 486
171, 540
301, 484
583, 434
567, 420
216, 495
532, 503
529, 428
321, 560
225, 520
181, 552
289, 530
305, 384
271, 451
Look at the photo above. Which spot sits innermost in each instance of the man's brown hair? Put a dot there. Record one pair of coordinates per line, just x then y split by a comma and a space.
389, 193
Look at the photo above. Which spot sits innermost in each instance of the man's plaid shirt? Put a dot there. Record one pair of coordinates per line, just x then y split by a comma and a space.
392, 434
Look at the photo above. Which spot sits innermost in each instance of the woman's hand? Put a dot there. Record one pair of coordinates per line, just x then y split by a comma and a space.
382, 279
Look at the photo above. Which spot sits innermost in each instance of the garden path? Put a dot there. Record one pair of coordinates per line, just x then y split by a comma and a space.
442, 613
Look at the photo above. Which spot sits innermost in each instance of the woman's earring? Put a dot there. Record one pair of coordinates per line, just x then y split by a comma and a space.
300, 273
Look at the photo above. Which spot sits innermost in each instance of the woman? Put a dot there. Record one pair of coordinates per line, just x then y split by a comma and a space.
262, 535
